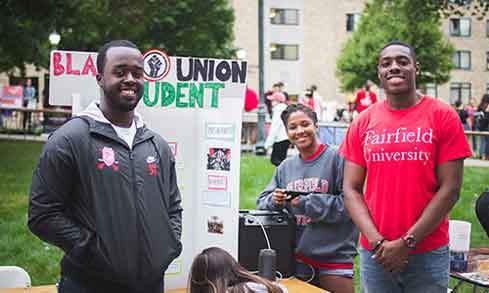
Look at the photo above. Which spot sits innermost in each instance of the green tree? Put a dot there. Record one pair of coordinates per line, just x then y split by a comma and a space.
181, 27
478, 8
416, 22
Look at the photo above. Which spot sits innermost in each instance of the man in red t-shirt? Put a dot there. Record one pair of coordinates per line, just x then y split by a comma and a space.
365, 97
411, 148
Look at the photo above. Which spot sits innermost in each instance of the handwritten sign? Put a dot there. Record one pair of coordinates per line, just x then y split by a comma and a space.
73, 73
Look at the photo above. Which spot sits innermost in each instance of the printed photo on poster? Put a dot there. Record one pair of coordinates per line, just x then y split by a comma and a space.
218, 198
219, 159
222, 131
217, 182
215, 225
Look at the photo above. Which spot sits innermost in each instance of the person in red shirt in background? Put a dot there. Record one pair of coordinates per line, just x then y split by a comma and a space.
250, 106
308, 99
412, 149
365, 97
251, 100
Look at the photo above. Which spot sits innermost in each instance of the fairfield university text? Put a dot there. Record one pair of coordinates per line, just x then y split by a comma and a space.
411, 145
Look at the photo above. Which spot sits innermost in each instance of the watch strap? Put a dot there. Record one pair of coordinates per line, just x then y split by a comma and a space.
409, 241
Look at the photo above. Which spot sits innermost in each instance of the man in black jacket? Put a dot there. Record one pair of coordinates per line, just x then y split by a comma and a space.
105, 189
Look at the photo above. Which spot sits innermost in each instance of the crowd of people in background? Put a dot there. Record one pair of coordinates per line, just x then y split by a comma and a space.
277, 100
326, 111
475, 117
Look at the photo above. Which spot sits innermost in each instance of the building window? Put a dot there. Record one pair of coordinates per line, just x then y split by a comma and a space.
352, 21
461, 60
460, 91
432, 90
284, 52
460, 2
460, 27
487, 28
284, 16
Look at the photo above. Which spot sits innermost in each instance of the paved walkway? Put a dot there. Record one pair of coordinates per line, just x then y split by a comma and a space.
44, 137
26, 137
476, 163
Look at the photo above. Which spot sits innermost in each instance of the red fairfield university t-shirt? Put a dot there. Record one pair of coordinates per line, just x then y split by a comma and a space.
400, 150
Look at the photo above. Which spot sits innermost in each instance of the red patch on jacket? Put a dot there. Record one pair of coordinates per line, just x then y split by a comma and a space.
153, 171
108, 159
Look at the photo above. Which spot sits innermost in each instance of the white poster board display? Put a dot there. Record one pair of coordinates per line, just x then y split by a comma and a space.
73, 73
196, 104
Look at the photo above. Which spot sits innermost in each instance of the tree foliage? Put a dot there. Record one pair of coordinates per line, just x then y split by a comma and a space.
181, 27
416, 22
445, 8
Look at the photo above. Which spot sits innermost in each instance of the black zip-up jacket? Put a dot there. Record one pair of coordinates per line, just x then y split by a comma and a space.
115, 212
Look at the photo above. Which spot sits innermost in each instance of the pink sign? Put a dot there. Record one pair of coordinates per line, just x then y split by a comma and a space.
11, 97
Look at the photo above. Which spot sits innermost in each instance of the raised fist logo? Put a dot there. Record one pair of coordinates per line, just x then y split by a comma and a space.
156, 65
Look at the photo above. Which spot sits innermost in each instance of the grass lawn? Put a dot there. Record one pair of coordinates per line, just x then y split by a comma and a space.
19, 247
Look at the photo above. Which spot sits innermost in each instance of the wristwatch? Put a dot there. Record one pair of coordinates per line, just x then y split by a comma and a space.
409, 241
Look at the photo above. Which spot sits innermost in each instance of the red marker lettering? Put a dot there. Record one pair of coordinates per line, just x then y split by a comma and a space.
58, 68
69, 69
89, 66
